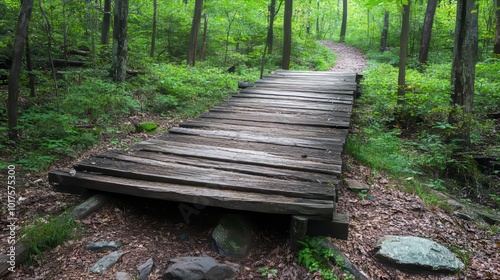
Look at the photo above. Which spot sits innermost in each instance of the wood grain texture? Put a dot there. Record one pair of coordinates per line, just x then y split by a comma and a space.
276, 147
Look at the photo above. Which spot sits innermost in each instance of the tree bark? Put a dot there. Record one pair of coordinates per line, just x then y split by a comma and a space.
427, 31
287, 34
385, 31
205, 27
49, 45
496, 47
403, 53
153, 35
106, 22
464, 63
195, 28
119, 56
270, 29
29, 67
15, 70
344, 21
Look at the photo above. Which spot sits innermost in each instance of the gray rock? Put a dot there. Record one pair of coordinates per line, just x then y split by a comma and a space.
234, 236
355, 185
489, 218
106, 262
101, 246
200, 268
416, 254
120, 275
144, 269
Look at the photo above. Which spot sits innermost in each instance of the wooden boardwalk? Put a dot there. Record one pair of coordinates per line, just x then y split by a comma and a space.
273, 148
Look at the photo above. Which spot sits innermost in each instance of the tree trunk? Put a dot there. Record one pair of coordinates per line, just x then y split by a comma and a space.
49, 44
403, 47
385, 31
153, 35
106, 22
205, 27
464, 63
15, 70
29, 67
318, 31
287, 34
427, 31
195, 28
119, 56
270, 29
344, 21
228, 32
496, 48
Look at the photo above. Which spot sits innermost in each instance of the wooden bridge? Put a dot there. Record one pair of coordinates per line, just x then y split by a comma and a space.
275, 148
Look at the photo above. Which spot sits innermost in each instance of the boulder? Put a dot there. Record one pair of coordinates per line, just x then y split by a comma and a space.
200, 268
416, 254
106, 262
101, 246
145, 269
355, 185
233, 236
120, 275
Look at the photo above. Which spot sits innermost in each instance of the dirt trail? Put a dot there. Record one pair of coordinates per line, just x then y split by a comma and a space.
349, 59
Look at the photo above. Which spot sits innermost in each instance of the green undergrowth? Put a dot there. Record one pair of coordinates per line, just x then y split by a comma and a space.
46, 234
413, 141
318, 258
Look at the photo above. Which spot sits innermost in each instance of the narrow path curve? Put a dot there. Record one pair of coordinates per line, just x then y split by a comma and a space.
349, 59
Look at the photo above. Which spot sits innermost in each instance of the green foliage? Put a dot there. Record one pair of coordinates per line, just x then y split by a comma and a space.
48, 234
46, 135
315, 257
413, 138
268, 273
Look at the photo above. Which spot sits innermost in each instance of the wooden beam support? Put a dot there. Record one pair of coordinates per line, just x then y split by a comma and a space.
298, 230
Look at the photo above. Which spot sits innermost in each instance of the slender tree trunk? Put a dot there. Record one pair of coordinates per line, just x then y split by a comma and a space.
195, 28
270, 29
228, 32
403, 53
49, 45
496, 48
15, 70
318, 32
287, 34
344, 21
119, 56
205, 27
106, 22
427, 30
29, 67
153, 35
385, 31
464, 63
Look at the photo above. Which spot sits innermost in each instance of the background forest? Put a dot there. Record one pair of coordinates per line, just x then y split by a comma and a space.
69, 100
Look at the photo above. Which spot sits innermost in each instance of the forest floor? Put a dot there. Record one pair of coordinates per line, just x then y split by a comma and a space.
156, 229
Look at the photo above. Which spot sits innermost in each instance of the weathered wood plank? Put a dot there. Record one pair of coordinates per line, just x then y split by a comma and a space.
265, 203
292, 153
271, 130
235, 155
315, 143
293, 98
242, 108
340, 95
279, 118
161, 160
289, 104
206, 177
333, 132
305, 88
